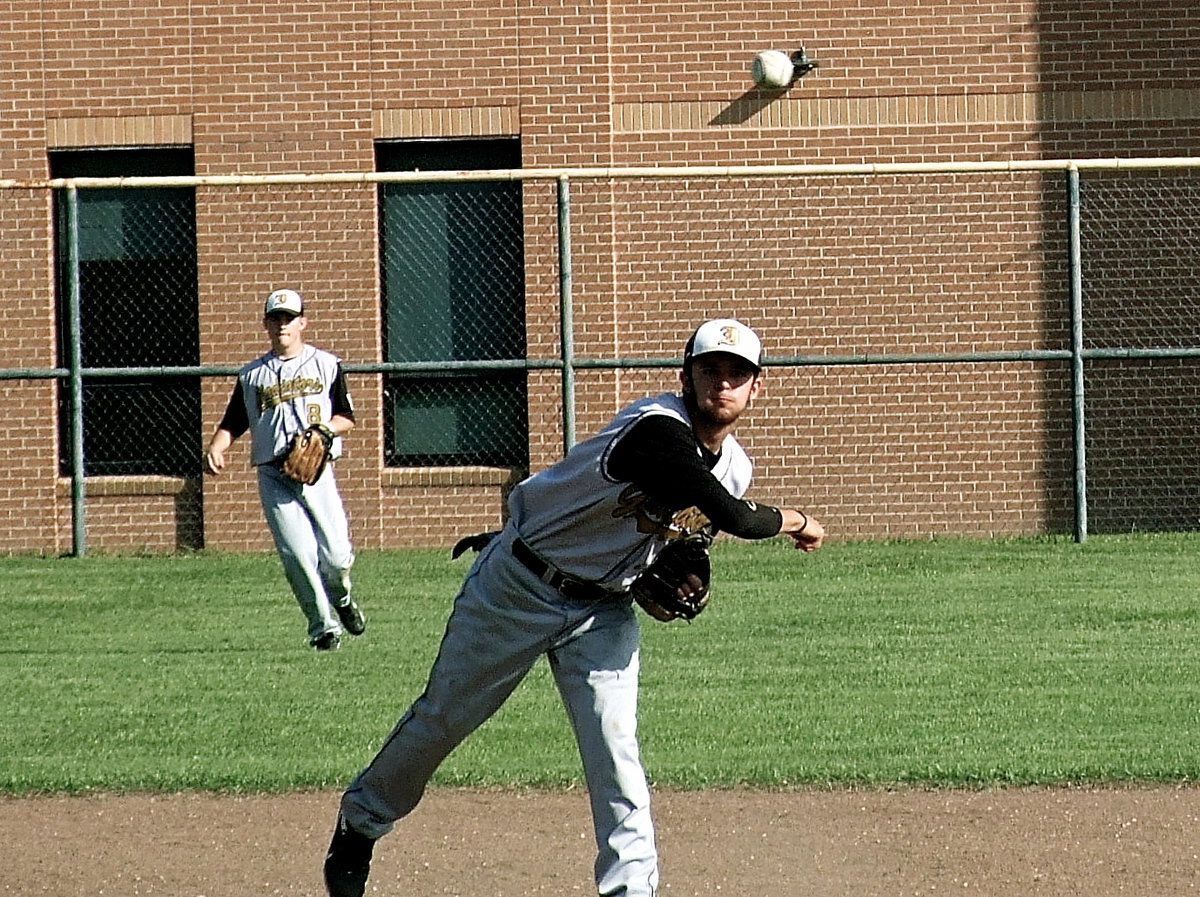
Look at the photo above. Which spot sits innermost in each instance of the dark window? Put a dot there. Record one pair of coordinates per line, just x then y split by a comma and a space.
453, 270
139, 308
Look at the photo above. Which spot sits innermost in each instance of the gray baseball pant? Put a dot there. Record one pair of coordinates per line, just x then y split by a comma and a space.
312, 536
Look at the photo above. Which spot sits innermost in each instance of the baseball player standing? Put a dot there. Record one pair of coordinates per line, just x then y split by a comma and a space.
280, 394
556, 582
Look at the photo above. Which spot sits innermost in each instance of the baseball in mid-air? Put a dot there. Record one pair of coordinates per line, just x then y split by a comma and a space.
772, 68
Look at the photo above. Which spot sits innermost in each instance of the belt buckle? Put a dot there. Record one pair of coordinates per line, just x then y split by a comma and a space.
581, 590
573, 589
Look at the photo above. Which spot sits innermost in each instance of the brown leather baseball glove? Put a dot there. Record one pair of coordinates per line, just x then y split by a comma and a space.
306, 459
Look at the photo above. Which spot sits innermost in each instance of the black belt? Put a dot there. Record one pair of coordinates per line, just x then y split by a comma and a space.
564, 583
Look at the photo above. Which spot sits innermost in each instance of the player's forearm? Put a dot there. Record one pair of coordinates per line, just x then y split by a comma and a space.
340, 425
793, 521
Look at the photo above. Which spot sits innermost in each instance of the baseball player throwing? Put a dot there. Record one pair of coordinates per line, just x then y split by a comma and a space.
279, 395
556, 582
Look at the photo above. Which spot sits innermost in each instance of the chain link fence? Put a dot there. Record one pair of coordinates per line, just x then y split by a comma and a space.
994, 349
1140, 263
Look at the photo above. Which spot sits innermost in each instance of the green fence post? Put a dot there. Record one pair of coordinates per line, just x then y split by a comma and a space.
1075, 268
566, 312
75, 366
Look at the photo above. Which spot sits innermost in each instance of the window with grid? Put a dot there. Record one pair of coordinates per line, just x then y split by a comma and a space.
453, 287
139, 308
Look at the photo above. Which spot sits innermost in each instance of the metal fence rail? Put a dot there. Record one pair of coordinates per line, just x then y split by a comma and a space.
1105, 298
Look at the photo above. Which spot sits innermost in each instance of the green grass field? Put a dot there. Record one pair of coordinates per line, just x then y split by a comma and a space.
950, 662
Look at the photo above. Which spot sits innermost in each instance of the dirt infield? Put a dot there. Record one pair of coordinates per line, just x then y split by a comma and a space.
1002, 843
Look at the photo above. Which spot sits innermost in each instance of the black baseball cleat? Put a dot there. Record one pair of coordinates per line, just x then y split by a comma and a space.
329, 641
351, 616
348, 862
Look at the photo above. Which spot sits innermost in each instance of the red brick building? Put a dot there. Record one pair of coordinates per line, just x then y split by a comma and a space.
293, 87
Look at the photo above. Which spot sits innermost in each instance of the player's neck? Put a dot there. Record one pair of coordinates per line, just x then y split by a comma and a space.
712, 438
289, 352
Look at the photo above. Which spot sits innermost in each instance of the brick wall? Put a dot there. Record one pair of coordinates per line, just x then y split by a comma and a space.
282, 87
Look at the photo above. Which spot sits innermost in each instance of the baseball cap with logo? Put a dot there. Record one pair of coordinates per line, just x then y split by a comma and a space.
288, 301
724, 335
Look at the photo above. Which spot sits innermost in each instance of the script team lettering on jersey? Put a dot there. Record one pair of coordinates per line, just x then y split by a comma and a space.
287, 390
654, 519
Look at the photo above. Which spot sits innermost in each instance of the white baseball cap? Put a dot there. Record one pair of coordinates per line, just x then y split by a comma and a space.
284, 300
724, 335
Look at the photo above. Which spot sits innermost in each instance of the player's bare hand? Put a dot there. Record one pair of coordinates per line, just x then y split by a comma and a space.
808, 533
691, 587
214, 453
214, 462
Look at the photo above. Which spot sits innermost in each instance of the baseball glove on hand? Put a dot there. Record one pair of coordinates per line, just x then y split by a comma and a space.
657, 588
306, 459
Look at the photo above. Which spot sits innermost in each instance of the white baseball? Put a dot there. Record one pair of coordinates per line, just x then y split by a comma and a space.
772, 68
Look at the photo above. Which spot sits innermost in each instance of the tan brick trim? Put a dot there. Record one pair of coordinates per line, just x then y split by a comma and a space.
134, 485
1060, 107
473, 121
403, 477
132, 130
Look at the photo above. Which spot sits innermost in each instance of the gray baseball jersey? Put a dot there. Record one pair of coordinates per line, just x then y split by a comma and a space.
284, 396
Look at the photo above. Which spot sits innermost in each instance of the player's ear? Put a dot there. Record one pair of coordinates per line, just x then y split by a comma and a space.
685, 380
755, 386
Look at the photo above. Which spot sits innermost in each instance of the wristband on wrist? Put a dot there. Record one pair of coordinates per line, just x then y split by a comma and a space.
804, 525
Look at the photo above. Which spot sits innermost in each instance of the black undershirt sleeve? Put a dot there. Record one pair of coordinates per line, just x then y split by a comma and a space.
235, 419
660, 455
339, 396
